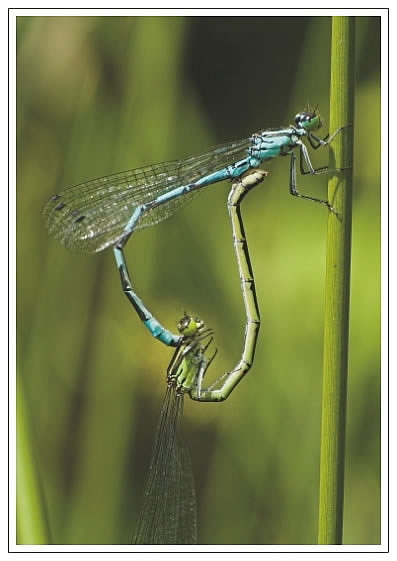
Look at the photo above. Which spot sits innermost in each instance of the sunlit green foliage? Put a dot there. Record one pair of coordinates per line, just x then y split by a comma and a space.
97, 95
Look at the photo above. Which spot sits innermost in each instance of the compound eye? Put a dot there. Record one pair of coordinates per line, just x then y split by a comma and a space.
299, 118
199, 323
302, 118
183, 324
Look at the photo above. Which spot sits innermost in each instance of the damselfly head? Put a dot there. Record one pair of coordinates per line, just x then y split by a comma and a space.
308, 120
189, 325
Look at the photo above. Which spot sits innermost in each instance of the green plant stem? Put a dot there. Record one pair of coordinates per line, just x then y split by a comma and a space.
32, 527
337, 286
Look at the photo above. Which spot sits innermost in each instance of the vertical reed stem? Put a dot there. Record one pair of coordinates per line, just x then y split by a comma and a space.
337, 286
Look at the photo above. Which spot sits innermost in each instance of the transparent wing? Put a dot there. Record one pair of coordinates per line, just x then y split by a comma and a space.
168, 514
91, 216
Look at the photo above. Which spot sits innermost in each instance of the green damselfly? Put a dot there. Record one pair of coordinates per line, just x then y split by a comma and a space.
168, 514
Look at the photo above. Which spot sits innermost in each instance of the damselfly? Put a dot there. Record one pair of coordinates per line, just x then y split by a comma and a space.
168, 514
105, 212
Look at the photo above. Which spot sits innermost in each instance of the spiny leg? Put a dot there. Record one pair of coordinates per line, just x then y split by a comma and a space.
316, 142
193, 345
203, 367
180, 353
304, 156
294, 191
189, 362
229, 380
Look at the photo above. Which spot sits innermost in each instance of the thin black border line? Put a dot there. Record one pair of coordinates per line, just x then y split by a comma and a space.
10, 10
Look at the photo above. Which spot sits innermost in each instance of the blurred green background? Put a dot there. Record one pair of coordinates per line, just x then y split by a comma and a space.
97, 95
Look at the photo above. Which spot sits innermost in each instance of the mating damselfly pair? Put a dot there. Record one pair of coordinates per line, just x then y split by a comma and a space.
104, 212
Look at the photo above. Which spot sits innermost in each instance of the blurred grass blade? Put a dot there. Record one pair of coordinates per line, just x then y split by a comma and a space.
337, 287
32, 526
